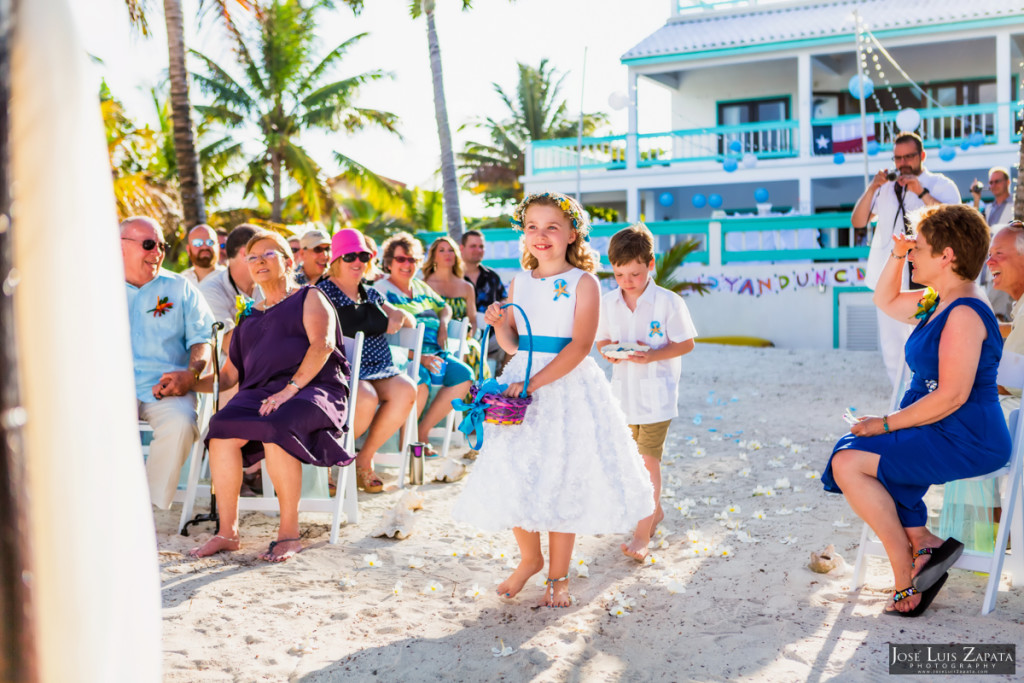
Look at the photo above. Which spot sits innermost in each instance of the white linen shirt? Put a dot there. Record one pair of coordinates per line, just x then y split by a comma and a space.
648, 393
886, 207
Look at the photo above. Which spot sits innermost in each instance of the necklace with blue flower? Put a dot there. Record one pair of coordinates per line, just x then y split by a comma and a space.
927, 304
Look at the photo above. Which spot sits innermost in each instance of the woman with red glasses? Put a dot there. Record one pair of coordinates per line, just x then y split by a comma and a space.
402, 254
385, 393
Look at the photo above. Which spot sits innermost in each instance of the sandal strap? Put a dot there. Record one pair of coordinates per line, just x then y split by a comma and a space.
923, 551
551, 582
274, 544
904, 594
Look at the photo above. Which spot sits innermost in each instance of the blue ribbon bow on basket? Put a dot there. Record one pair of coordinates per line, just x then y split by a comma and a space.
489, 404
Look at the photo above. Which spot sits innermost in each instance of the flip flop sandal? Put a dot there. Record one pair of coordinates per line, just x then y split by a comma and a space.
942, 560
926, 598
269, 555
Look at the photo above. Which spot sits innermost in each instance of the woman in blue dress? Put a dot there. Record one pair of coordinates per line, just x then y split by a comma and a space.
949, 425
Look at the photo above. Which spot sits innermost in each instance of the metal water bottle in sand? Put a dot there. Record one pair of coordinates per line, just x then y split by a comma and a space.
416, 450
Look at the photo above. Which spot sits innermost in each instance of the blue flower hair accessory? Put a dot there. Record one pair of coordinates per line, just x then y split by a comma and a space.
571, 208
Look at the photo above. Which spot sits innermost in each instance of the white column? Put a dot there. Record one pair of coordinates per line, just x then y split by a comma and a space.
806, 195
529, 159
632, 149
715, 244
1003, 85
632, 204
803, 102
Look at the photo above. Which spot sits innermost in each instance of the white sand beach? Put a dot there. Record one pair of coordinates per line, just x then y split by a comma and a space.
767, 418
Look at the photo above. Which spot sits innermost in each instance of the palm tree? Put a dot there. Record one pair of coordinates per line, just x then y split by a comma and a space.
665, 267
535, 112
449, 184
282, 93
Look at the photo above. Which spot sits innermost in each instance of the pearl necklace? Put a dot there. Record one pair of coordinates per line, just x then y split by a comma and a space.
287, 293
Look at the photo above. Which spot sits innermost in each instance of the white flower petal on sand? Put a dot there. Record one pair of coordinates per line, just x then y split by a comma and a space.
643, 592
662, 544
668, 493
761, 490
709, 500
415, 562
745, 537
397, 590
758, 514
800, 466
372, 560
652, 559
724, 551
661, 533
782, 483
783, 511
582, 571
732, 524
797, 448
754, 445
693, 536
723, 515
688, 502
347, 582
474, 592
432, 588
811, 475
803, 508
698, 453
841, 523
734, 509
789, 540
502, 650
675, 587
617, 611
785, 442
798, 489
692, 441
745, 472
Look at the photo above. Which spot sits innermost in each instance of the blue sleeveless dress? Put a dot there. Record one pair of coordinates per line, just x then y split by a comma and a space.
972, 441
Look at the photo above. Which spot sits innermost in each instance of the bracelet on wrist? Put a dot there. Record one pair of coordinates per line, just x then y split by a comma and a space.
885, 423
293, 383
899, 258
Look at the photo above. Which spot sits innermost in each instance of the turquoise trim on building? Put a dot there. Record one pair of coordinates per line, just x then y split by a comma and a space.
846, 38
836, 291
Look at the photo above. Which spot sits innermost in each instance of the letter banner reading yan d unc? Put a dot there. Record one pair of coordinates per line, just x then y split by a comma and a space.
952, 659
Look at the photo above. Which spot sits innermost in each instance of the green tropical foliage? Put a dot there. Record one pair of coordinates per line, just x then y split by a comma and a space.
535, 112
666, 265
283, 91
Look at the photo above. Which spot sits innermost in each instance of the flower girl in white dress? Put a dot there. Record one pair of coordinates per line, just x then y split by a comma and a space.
571, 466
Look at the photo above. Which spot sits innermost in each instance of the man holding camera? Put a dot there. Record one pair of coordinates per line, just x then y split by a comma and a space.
889, 198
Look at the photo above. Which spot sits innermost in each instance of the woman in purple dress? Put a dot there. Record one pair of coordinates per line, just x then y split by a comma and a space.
292, 402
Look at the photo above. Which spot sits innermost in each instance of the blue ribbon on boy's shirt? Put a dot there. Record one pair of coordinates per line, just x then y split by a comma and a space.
474, 419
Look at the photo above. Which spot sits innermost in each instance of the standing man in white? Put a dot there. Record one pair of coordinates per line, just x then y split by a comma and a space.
890, 201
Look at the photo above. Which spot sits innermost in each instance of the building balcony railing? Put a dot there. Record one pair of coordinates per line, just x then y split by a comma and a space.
822, 237
769, 140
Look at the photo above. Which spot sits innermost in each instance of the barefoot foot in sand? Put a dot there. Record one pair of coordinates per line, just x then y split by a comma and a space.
514, 583
282, 549
215, 545
556, 594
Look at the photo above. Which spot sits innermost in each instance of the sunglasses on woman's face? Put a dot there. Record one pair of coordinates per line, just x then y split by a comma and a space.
149, 245
203, 243
404, 259
265, 256
363, 256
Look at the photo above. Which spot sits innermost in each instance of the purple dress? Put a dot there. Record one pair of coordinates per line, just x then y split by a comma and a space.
267, 348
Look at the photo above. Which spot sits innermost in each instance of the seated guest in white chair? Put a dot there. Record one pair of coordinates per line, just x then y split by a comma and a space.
170, 330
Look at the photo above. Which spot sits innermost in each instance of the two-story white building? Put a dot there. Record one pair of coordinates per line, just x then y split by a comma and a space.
765, 158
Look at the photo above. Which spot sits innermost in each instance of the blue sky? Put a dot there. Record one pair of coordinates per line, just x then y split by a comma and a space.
477, 48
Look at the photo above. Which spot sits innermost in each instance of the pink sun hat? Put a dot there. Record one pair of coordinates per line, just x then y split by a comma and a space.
347, 241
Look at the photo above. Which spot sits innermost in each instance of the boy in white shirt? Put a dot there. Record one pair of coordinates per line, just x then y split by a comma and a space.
646, 382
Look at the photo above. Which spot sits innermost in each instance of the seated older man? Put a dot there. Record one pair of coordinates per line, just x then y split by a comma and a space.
1006, 264
170, 330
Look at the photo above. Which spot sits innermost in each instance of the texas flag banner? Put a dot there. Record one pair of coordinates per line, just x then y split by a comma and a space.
844, 136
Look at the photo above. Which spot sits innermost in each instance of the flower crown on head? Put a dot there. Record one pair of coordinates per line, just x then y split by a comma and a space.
571, 208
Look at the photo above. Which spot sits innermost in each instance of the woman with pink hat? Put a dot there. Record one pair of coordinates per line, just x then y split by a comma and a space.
385, 393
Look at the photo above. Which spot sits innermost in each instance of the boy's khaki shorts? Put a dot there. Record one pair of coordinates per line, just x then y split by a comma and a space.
650, 438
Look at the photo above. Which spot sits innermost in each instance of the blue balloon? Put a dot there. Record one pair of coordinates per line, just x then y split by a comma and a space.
947, 153
729, 165
666, 199
977, 138
965, 145
715, 200
761, 195
857, 84
839, 158
872, 148
699, 201
736, 146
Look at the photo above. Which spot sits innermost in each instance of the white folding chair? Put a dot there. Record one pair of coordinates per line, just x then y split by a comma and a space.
407, 343
457, 346
195, 461
344, 499
1012, 520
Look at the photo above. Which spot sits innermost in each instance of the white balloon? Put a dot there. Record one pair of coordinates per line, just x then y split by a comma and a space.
618, 100
749, 160
908, 120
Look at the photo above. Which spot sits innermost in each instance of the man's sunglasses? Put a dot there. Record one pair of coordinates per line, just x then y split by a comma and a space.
321, 249
149, 245
404, 259
363, 256
203, 243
